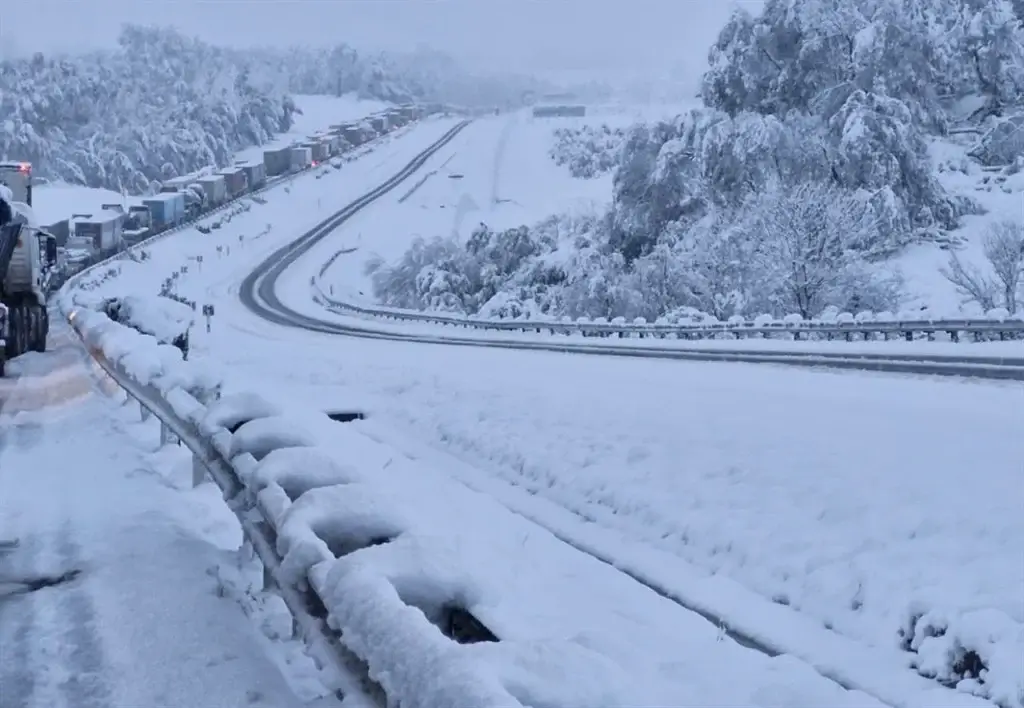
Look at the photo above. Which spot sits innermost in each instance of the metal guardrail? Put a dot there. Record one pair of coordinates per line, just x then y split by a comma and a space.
977, 329
307, 609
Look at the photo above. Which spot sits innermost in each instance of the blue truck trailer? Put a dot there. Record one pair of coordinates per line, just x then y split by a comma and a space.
167, 209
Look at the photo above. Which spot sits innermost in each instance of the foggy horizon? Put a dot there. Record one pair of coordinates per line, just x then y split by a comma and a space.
586, 37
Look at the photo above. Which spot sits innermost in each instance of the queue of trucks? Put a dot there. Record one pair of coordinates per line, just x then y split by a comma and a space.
35, 259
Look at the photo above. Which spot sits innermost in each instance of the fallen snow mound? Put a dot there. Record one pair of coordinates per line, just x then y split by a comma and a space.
162, 318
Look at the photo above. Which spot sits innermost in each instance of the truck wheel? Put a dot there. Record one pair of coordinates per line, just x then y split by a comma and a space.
22, 330
39, 327
31, 328
14, 332
44, 328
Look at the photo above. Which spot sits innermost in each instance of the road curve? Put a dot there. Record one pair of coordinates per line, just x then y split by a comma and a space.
258, 294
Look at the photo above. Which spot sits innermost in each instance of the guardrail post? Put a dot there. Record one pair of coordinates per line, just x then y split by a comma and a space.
199, 471
144, 412
167, 436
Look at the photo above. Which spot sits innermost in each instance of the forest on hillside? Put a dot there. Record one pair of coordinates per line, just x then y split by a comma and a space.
162, 104
806, 166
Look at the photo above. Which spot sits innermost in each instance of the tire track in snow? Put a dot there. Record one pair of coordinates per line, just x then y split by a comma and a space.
499, 159
17, 622
52, 655
83, 654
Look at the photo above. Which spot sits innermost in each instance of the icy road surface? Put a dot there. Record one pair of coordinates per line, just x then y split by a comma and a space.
853, 498
84, 487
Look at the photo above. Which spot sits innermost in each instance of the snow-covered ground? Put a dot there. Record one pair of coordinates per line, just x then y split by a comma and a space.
57, 201
856, 499
497, 171
154, 618
508, 178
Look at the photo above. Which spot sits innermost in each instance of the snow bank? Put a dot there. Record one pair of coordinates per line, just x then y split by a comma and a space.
143, 357
449, 597
407, 562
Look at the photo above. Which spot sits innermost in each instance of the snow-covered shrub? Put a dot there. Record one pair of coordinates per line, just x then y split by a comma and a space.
167, 321
808, 243
589, 151
1001, 284
1002, 143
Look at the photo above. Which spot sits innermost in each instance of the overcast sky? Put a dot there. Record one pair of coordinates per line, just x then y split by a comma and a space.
603, 35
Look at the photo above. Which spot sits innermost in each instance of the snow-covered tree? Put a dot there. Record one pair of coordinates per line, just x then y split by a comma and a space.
808, 244
1001, 284
589, 151
162, 104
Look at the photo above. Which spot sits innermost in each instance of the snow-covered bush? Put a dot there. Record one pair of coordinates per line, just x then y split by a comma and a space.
167, 321
1001, 284
589, 151
798, 249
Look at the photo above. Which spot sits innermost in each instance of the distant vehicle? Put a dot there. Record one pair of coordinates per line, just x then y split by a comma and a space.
138, 218
17, 176
167, 209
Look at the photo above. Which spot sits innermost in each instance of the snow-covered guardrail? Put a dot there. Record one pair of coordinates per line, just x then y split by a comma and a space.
421, 592
789, 343
996, 325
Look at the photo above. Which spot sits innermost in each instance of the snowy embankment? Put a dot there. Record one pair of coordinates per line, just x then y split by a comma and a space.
791, 467
403, 557
525, 427
57, 201
497, 171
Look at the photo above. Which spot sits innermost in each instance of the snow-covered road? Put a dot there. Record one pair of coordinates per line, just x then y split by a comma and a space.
85, 486
854, 498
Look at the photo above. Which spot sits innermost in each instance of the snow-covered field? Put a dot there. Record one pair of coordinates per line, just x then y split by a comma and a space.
856, 499
497, 171
58, 201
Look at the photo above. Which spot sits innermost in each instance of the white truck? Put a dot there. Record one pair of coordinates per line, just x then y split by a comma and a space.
28, 266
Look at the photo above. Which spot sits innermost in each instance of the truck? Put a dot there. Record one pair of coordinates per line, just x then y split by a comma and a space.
236, 181
28, 270
301, 158
255, 174
355, 135
177, 184
319, 149
166, 209
216, 188
139, 218
103, 230
17, 176
277, 161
